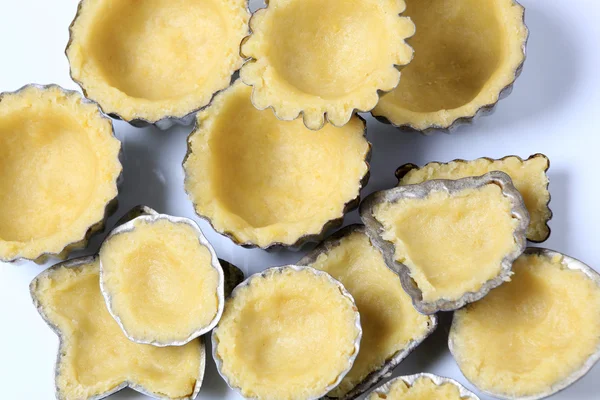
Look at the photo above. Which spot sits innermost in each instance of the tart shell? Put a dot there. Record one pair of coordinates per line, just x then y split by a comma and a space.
375, 229
233, 276
163, 116
261, 275
571, 264
149, 216
448, 120
287, 75
80, 262
60, 244
387, 368
235, 226
532, 236
409, 380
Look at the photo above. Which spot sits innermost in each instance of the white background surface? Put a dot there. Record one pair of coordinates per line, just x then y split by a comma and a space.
554, 109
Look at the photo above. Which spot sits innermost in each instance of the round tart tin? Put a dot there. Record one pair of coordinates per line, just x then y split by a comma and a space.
51, 102
147, 216
156, 32
375, 230
77, 263
436, 93
568, 263
276, 270
392, 362
240, 187
383, 391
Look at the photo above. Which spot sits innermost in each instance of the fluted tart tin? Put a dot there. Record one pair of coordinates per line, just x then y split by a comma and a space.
381, 301
157, 62
384, 390
331, 287
196, 281
60, 172
540, 323
68, 293
252, 176
529, 176
323, 61
451, 189
468, 56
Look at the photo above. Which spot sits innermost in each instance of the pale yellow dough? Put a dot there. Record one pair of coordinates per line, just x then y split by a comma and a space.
58, 170
266, 181
466, 52
286, 336
160, 281
452, 244
529, 177
156, 58
389, 320
325, 57
423, 389
95, 355
531, 333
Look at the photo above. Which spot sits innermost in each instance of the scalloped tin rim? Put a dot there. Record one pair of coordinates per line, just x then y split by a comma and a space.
375, 228
129, 226
572, 264
302, 240
261, 275
465, 393
355, 111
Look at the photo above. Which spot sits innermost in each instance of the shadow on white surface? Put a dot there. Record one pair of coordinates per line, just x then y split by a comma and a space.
127, 394
561, 214
550, 74
391, 148
213, 386
587, 387
430, 352
143, 180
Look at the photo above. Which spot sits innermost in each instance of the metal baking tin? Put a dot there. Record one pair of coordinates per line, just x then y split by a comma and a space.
301, 241
233, 276
410, 380
151, 218
484, 110
74, 263
134, 213
403, 170
386, 369
572, 264
261, 275
110, 207
163, 123
379, 92
420, 191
